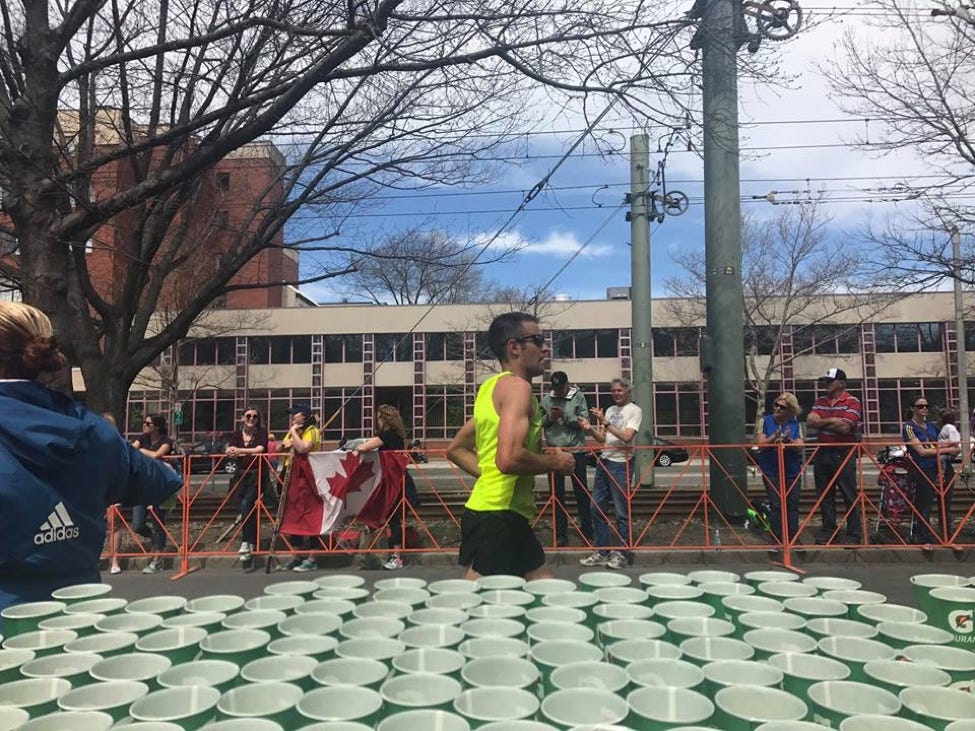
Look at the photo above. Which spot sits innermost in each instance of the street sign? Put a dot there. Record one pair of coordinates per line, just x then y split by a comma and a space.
177, 417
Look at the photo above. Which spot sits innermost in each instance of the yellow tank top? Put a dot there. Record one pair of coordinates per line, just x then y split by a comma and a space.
495, 490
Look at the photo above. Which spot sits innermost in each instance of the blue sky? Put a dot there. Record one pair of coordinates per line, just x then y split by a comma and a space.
788, 135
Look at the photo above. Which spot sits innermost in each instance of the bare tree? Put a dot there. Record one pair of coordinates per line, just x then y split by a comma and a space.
420, 267
796, 278
113, 115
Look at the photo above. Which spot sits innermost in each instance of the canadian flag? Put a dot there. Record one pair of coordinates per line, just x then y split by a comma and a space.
327, 487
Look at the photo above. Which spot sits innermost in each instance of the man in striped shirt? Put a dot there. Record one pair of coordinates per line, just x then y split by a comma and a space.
837, 416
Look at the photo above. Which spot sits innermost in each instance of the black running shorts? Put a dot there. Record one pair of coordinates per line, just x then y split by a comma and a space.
499, 542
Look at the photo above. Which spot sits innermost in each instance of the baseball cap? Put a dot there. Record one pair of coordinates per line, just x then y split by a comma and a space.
300, 409
834, 374
559, 379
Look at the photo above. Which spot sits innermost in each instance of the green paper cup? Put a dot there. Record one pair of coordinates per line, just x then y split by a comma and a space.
814, 606
81, 592
953, 610
484, 705
294, 669
684, 628
372, 627
138, 624
37, 696
139, 666
238, 646
423, 719
342, 703
728, 673
151, 726
621, 595
937, 707
499, 581
287, 603
11, 661
385, 610
13, 718
357, 671
452, 586
223, 603
453, 617
702, 650
373, 648
550, 655
877, 613
310, 623
113, 698
548, 631
320, 647
592, 580
298, 588
832, 701
538, 615
768, 642
656, 708
431, 660
354, 594
711, 576
628, 629
400, 582
514, 596
902, 634
591, 675
820, 627
64, 720
855, 652
894, 675
923, 583
263, 619
961, 726
497, 611
755, 578
460, 600
83, 624
546, 587
738, 604
580, 706
210, 621
665, 611
768, 620
744, 708
626, 651
673, 593
41, 642
957, 662
272, 701
341, 608
244, 724
715, 593
106, 605
855, 598
666, 673
832, 583
663, 578
218, 674
339, 581
433, 636
493, 628
164, 605
880, 723
783, 590
609, 612
180, 644
493, 646
407, 595
72, 666
21, 618
414, 692
801, 670
190, 707
584, 600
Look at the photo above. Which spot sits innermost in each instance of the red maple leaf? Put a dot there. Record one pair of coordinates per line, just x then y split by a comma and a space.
358, 472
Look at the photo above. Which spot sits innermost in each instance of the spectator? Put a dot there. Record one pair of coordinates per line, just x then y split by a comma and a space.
246, 445
921, 438
781, 427
837, 416
154, 443
392, 436
62, 466
617, 429
562, 411
302, 437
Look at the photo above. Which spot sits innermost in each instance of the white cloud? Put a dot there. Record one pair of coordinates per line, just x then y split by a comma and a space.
557, 243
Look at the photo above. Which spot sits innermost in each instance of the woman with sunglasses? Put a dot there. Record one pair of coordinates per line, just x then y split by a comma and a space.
921, 438
154, 443
781, 427
246, 444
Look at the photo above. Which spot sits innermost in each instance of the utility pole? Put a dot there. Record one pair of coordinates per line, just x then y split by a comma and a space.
722, 236
640, 334
961, 356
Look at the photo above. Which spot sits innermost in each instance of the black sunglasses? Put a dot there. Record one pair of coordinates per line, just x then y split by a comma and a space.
780, 406
250, 416
920, 406
538, 339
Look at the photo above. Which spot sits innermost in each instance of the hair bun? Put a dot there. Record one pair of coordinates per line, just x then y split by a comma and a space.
42, 355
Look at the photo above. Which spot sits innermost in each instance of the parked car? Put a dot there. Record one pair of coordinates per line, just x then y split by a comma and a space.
215, 451
670, 454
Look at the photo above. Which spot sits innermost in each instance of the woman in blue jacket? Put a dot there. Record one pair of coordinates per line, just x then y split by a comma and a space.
60, 467
781, 427
921, 438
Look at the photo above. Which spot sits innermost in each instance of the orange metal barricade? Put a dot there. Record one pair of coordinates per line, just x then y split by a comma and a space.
668, 508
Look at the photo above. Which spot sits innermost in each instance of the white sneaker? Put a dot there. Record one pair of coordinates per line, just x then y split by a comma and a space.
245, 550
616, 560
394, 563
598, 558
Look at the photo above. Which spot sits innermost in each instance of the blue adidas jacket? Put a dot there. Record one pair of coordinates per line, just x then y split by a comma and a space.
60, 467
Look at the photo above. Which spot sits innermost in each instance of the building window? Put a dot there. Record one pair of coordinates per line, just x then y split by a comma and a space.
444, 411
343, 348
678, 409
394, 348
762, 338
345, 405
208, 351
909, 337
223, 181
444, 346
280, 349
895, 396
570, 344
274, 403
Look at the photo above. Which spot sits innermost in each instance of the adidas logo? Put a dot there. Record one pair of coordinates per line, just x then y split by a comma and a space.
57, 527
